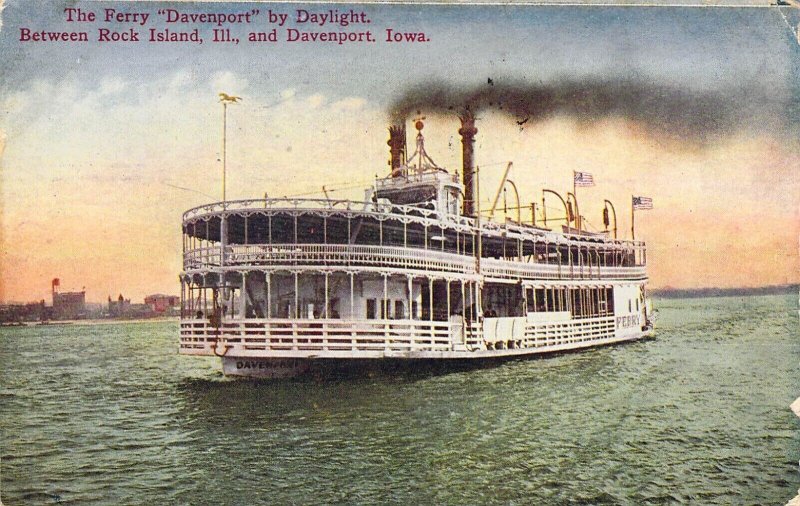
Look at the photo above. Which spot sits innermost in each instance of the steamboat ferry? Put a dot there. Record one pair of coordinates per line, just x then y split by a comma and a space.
414, 273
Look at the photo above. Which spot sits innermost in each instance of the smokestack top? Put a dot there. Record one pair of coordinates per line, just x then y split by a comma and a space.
397, 148
467, 129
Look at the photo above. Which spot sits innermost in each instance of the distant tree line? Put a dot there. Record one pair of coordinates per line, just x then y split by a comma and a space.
680, 293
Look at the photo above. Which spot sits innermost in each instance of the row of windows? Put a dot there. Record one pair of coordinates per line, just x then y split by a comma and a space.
392, 232
586, 302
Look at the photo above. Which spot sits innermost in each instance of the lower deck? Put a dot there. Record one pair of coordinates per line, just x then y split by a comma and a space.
277, 316
454, 339
293, 360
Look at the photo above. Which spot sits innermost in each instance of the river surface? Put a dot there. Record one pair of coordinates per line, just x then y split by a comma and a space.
110, 414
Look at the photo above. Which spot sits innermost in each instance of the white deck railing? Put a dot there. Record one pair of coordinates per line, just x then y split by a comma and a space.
395, 257
254, 336
374, 338
380, 210
566, 332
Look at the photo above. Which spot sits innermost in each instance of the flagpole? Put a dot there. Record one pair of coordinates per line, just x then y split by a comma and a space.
224, 149
575, 195
633, 218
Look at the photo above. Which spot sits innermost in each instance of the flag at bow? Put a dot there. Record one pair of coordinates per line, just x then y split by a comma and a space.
583, 179
642, 203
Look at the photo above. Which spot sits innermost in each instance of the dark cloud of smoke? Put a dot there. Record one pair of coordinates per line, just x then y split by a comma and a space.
663, 111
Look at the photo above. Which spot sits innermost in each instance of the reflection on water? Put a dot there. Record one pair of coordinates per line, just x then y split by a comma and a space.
112, 415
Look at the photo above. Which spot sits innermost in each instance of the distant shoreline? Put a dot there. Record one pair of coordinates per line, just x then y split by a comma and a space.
690, 293
97, 321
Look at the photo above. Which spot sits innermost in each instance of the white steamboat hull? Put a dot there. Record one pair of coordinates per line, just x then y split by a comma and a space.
282, 368
257, 353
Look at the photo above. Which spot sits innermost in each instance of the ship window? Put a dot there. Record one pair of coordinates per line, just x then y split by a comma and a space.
414, 309
637, 304
630, 309
399, 310
371, 309
538, 295
575, 302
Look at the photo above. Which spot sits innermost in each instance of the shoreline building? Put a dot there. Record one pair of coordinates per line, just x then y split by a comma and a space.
123, 308
164, 304
67, 305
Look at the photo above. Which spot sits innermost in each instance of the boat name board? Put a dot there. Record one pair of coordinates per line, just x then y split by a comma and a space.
624, 322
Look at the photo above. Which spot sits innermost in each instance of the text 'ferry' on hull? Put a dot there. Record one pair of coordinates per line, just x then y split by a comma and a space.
413, 273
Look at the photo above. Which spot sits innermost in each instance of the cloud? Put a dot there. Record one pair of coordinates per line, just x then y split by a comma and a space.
112, 86
315, 100
97, 172
90, 168
229, 83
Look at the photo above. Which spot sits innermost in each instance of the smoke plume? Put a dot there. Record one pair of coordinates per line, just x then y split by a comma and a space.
661, 110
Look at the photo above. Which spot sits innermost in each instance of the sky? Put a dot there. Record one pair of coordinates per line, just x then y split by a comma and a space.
104, 145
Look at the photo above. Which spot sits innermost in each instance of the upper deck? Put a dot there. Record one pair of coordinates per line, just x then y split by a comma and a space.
264, 234
418, 219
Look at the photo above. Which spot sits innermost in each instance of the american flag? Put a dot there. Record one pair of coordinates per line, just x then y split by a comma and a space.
642, 203
583, 179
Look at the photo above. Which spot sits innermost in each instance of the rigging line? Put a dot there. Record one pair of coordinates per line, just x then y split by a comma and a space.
492, 164
551, 208
791, 28
315, 192
187, 189
584, 221
332, 188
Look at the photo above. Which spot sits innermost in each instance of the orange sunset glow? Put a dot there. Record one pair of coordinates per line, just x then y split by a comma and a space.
726, 215
103, 147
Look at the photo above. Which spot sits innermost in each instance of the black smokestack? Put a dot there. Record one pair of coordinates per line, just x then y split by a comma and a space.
467, 133
397, 147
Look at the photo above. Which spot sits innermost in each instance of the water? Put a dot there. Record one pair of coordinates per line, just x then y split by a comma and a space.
110, 414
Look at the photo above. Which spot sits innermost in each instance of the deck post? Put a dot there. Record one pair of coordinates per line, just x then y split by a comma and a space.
268, 287
385, 301
327, 298
463, 313
203, 296
409, 314
430, 298
296, 311
448, 300
352, 295
243, 296
190, 296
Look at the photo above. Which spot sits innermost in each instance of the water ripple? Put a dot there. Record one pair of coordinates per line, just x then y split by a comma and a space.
696, 416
